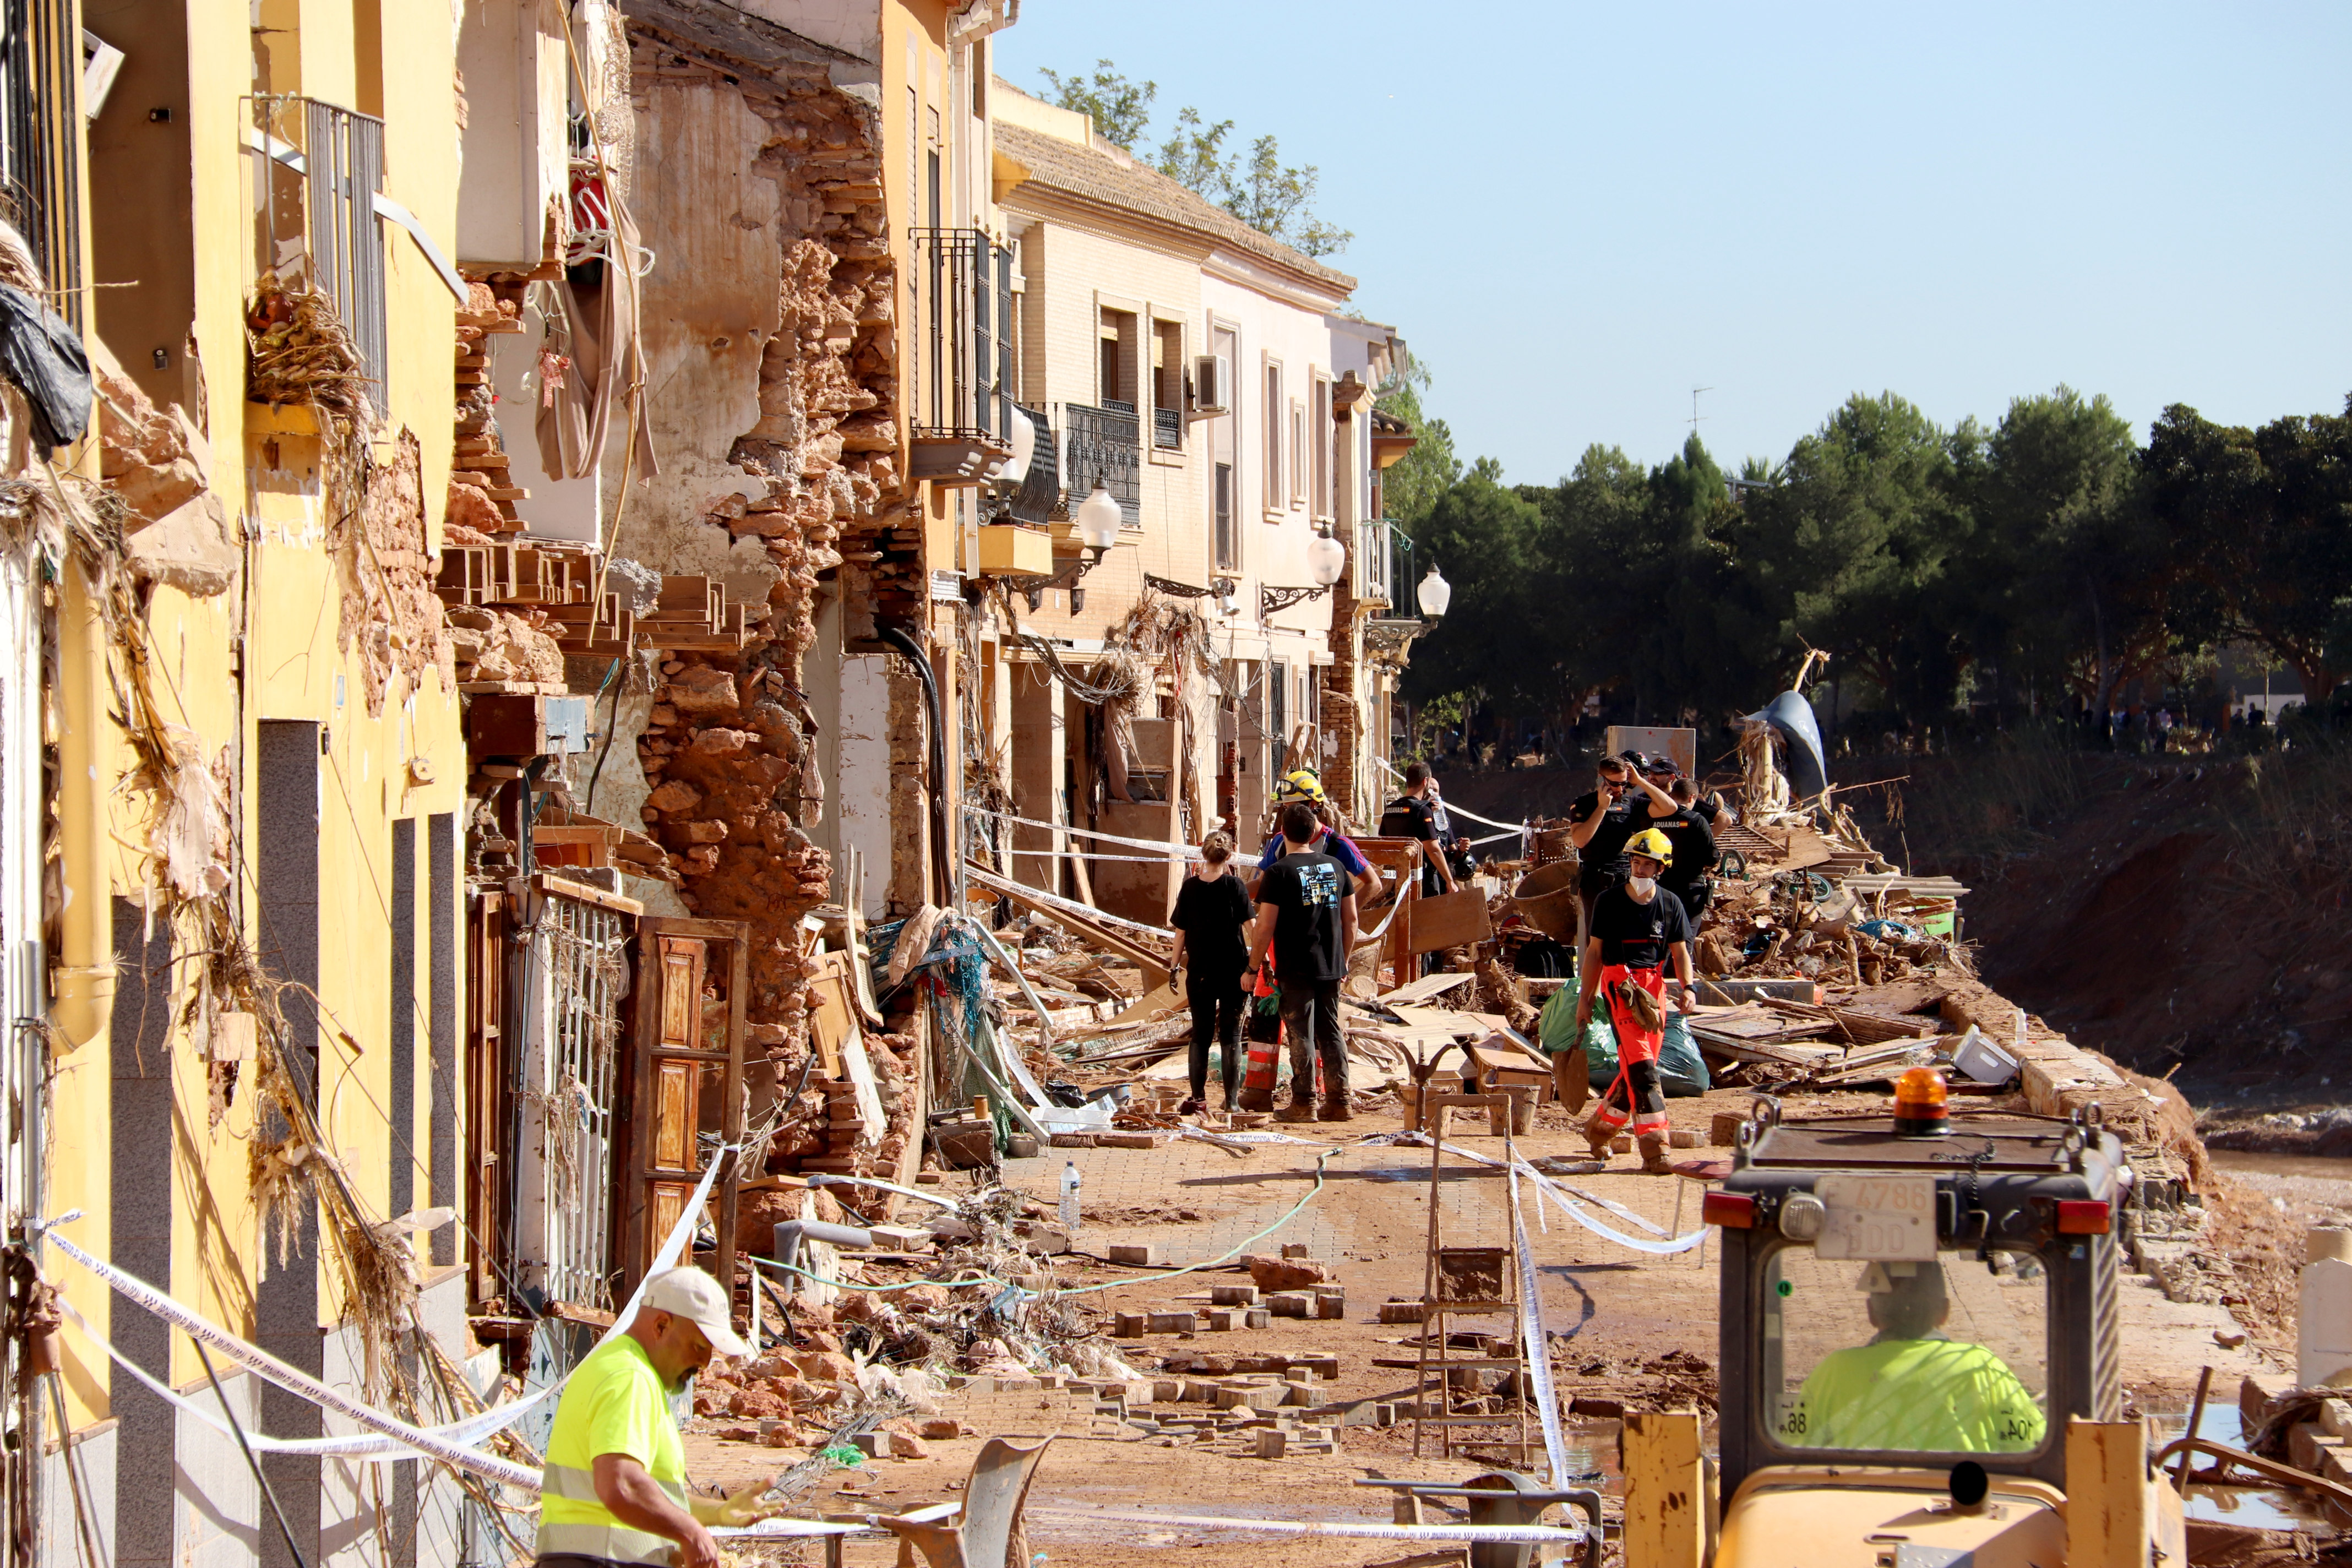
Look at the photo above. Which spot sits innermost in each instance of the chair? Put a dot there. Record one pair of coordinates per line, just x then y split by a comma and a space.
984, 1531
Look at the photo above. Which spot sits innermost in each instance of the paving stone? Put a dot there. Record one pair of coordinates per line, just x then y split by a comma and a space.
1234, 1295
1135, 1255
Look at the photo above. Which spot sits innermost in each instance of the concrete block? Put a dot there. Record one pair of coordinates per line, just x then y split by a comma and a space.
1621, 1145
1313, 1363
1129, 1326
1202, 1391
873, 1445
1135, 1257
1164, 1391
2336, 1417
1384, 1414
1271, 1442
1403, 1311
903, 1447
1253, 1396
1257, 1318
1293, 1249
1171, 1323
1723, 1129
1234, 1295
1223, 1320
2324, 1346
1330, 1306
1291, 1304
1685, 1138
1298, 1394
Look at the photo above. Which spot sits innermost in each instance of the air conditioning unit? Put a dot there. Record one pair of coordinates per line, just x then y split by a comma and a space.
1213, 384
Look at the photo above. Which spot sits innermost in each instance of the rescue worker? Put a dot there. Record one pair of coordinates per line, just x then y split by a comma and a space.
1636, 927
1600, 822
1300, 786
1693, 842
613, 1488
1911, 1389
1413, 815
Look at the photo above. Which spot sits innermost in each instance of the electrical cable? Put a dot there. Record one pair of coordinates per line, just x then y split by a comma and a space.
245, 1447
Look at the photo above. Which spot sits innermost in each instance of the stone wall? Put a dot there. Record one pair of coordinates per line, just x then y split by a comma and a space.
770, 329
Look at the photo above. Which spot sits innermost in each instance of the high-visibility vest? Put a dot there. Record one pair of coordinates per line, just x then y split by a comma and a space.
1915, 1396
614, 1403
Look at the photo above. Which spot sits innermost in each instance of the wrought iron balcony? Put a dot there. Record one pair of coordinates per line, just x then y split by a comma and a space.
1041, 487
1384, 559
963, 400
1103, 447
1167, 429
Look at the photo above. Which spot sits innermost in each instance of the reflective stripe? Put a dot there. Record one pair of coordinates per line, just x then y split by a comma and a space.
616, 1542
572, 1481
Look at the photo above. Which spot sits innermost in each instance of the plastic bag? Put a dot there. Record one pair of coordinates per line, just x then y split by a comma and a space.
43, 357
1682, 1071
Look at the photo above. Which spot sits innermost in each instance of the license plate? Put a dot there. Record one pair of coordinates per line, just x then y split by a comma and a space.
1882, 1219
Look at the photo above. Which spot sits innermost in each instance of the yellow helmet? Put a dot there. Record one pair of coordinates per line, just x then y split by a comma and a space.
1298, 783
1653, 843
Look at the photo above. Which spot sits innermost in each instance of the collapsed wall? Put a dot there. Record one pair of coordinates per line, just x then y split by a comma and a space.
769, 325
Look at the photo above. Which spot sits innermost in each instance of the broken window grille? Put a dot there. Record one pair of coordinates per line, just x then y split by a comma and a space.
1103, 446
331, 235
571, 1076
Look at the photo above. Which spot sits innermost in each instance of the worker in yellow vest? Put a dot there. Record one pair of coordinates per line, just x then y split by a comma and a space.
614, 1487
1911, 1390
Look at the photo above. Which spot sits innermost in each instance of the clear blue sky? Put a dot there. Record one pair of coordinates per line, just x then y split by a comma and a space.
1577, 213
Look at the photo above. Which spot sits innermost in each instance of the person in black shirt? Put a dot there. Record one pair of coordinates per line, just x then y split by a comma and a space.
1211, 914
1599, 824
1693, 842
1306, 912
1413, 815
1636, 927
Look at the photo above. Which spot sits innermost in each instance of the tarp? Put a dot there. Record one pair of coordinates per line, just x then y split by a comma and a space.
1682, 1071
1793, 716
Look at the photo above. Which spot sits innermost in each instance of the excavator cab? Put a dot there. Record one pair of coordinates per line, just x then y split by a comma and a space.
1918, 1317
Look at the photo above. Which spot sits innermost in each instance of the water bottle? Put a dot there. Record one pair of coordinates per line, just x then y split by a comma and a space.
1069, 1197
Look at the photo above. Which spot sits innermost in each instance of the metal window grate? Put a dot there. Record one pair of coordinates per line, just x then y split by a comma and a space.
572, 1071
345, 169
963, 303
40, 103
1103, 446
1223, 500
1167, 429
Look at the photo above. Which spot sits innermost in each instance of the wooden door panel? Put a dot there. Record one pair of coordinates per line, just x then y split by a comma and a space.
673, 1116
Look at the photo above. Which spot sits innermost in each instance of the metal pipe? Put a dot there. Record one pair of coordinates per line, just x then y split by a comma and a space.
83, 977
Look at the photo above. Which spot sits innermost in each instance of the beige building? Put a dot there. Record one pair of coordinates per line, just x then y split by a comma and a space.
1207, 380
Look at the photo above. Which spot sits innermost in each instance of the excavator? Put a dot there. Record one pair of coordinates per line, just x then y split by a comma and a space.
1920, 1357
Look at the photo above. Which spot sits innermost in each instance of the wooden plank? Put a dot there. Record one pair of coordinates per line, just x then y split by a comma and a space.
1154, 965
1440, 921
833, 1018
590, 895
1422, 989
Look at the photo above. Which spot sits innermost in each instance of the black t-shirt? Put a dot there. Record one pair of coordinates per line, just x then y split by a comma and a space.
1693, 845
1707, 809
1212, 916
1603, 859
1408, 817
1637, 934
1305, 890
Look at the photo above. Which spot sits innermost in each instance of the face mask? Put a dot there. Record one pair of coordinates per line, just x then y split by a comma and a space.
1643, 886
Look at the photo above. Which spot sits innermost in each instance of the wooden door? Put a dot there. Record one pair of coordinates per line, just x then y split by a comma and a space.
685, 1080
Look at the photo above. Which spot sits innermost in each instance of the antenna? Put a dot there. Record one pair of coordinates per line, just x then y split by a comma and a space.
1695, 414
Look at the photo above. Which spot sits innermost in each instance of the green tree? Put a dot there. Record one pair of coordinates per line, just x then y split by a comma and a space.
2068, 568
1278, 199
1120, 109
1412, 484
1850, 551
1482, 536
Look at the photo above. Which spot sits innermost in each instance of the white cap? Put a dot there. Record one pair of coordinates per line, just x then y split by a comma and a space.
695, 1296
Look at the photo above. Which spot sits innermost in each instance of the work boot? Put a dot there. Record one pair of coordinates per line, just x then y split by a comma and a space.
1653, 1155
1599, 1137
1256, 1100
1336, 1110
1300, 1109
1193, 1106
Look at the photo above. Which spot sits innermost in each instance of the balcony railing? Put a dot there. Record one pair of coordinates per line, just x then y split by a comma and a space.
1103, 446
1040, 486
1383, 563
963, 337
1167, 429
337, 157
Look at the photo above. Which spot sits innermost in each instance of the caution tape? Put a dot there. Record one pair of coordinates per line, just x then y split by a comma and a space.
1535, 1349
394, 1439
197, 1327
1501, 1534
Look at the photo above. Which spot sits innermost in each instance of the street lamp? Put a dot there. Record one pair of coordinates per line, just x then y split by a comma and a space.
1326, 559
1098, 520
1434, 594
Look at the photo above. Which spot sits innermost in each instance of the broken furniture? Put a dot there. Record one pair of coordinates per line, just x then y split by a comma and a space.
985, 1529
1500, 1497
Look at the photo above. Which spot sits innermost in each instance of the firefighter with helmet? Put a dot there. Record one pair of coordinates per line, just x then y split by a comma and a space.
1637, 927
